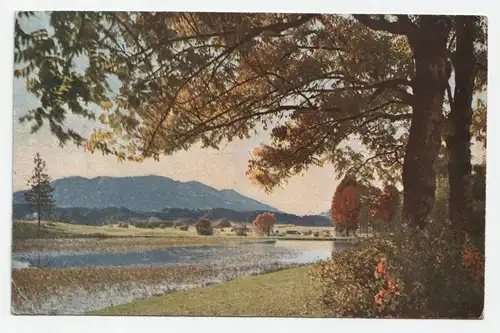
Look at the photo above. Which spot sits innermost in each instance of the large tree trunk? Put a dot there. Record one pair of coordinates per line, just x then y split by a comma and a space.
458, 139
432, 71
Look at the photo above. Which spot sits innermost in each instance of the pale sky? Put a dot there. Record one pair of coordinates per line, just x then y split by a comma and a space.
223, 169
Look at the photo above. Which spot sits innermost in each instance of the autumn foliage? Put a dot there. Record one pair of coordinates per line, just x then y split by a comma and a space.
345, 204
264, 222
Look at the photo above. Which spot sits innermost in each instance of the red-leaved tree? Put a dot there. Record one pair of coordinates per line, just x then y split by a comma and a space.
345, 205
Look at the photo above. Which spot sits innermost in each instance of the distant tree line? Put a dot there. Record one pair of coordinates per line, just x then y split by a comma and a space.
89, 216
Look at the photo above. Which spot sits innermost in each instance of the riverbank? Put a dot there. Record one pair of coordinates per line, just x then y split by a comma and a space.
285, 293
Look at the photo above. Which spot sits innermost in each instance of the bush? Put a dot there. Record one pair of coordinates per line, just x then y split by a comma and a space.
204, 227
183, 228
405, 275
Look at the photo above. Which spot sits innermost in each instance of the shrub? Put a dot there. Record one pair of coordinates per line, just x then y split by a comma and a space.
204, 227
264, 223
405, 275
183, 228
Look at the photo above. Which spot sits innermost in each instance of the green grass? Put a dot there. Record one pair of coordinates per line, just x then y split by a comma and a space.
285, 293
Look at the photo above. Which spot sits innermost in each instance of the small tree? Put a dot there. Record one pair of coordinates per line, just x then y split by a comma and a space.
204, 227
40, 192
264, 222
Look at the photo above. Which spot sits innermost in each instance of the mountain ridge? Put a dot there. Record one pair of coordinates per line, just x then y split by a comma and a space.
145, 193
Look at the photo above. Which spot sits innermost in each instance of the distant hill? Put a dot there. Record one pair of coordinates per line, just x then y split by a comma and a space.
145, 194
110, 215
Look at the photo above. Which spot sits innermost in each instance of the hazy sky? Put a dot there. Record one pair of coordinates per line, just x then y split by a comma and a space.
223, 169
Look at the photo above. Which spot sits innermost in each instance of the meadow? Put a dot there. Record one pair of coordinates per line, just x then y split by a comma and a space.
56, 236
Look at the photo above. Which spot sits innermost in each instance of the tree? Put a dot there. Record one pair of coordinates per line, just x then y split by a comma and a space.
204, 227
264, 223
345, 205
466, 58
317, 80
40, 192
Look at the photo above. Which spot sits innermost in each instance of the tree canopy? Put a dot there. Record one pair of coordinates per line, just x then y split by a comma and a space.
318, 82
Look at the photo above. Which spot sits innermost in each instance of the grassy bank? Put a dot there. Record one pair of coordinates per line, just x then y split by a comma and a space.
285, 293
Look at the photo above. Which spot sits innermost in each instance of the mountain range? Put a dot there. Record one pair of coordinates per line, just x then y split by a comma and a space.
145, 194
